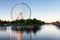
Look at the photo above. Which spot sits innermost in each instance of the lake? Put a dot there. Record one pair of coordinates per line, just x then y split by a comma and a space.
48, 32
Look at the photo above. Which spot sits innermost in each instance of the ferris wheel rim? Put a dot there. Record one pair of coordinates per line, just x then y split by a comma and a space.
20, 4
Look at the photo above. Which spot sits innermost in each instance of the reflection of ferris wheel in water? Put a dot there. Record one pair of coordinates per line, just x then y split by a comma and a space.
23, 9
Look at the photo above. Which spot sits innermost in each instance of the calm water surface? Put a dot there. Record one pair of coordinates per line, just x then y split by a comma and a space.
48, 32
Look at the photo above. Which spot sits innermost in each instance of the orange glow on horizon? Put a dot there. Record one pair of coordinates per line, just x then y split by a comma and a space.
46, 19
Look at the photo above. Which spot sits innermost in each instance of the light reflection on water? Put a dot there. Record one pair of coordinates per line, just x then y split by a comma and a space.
48, 32
17, 35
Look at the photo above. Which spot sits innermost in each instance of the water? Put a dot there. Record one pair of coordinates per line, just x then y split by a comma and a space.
48, 32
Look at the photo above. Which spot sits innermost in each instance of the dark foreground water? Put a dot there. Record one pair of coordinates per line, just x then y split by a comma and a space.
48, 32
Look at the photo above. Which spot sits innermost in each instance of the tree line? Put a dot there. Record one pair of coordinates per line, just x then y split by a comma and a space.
22, 22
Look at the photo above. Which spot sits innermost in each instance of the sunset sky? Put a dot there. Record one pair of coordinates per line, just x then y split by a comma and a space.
45, 10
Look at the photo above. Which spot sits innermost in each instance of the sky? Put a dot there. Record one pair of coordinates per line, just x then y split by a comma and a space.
45, 10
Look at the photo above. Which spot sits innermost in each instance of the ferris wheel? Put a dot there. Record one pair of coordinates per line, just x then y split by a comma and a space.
20, 11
